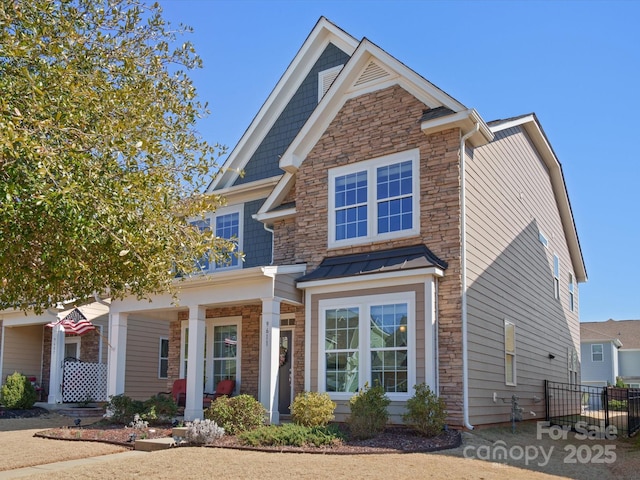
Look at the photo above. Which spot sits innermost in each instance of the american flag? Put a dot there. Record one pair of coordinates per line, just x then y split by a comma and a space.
74, 322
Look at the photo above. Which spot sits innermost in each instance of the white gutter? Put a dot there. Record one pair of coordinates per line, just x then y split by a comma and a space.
463, 272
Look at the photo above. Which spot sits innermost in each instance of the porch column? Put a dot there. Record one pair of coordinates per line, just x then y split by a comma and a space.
55, 369
195, 364
269, 357
431, 335
117, 353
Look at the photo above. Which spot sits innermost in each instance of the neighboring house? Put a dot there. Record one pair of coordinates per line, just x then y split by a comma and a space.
610, 350
26, 347
390, 235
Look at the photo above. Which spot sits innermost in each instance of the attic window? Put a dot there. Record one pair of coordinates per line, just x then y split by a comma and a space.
325, 79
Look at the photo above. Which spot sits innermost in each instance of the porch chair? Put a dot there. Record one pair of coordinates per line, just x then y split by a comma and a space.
179, 394
224, 387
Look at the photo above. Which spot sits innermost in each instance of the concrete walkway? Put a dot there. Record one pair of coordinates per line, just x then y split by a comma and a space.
54, 467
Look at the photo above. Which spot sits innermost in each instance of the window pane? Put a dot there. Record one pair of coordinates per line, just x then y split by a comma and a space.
342, 372
225, 352
164, 368
394, 194
389, 346
228, 227
203, 262
509, 337
509, 370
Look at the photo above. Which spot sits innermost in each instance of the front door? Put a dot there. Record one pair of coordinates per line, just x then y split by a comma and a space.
285, 373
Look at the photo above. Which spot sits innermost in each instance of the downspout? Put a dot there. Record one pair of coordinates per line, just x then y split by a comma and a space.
463, 272
270, 230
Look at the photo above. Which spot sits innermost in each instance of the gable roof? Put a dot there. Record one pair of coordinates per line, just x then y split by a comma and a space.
626, 331
322, 34
532, 127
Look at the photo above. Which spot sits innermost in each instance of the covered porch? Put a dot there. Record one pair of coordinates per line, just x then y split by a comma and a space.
237, 324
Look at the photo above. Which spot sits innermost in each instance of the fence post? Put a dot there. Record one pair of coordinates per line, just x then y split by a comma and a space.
546, 400
605, 401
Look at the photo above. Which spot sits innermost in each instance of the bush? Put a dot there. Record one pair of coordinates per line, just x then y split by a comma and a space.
425, 411
312, 409
122, 409
236, 414
159, 409
368, 412
203, 432
291, 434
18, 392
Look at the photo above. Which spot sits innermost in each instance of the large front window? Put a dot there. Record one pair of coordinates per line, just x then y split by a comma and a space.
221, 353
368, 340
375, 199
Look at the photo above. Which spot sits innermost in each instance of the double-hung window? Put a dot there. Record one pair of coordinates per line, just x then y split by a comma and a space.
226, 223
163, 358
374, 200
369, 339
571, 293
597, 352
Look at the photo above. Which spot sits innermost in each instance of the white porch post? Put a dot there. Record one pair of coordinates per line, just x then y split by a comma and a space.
117, 353
269, 357
195, 365
431, 335
55, 369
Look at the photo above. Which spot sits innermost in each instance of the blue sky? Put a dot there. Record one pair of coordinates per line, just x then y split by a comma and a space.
576, 64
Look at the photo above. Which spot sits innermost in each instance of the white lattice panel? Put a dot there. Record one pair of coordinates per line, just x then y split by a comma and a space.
84, 381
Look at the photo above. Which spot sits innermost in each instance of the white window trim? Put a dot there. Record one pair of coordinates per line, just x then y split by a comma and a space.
370, 167
510, 352
322, 76
556, 276
601, 352
77, 340
211, 217
364, 352
572, 297
160, 358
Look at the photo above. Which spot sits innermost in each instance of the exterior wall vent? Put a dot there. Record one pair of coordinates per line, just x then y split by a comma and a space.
325, 79
371, 73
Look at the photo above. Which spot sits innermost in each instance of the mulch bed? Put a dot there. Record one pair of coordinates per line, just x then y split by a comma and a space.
392, 440
27, 413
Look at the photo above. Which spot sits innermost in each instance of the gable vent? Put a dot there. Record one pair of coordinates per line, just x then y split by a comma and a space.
371, 73
326, 78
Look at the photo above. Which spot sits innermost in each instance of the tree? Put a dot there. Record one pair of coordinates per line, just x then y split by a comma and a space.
100, 160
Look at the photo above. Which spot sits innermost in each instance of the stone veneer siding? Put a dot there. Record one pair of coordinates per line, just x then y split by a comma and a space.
370, 126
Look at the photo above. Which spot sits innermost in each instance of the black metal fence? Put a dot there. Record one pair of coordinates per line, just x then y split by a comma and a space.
602, 407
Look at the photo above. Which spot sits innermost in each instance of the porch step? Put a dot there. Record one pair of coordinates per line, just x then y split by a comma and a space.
81, 412
155, 444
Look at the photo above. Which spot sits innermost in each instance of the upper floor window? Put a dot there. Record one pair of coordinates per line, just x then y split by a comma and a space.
597, 353
571, 293
556, 276
375, 199
226, 223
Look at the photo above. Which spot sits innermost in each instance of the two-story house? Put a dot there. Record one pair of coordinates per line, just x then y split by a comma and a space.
391, 235
610, 350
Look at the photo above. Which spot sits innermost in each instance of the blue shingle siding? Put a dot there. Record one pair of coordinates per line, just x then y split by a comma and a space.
256, 241
264, 162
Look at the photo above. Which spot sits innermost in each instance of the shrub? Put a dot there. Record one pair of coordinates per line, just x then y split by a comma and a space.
122, 409
18, 392
618, 405
159, 409
425, 411
236, 414
368, 412
291, 434
203, 432
312, 409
